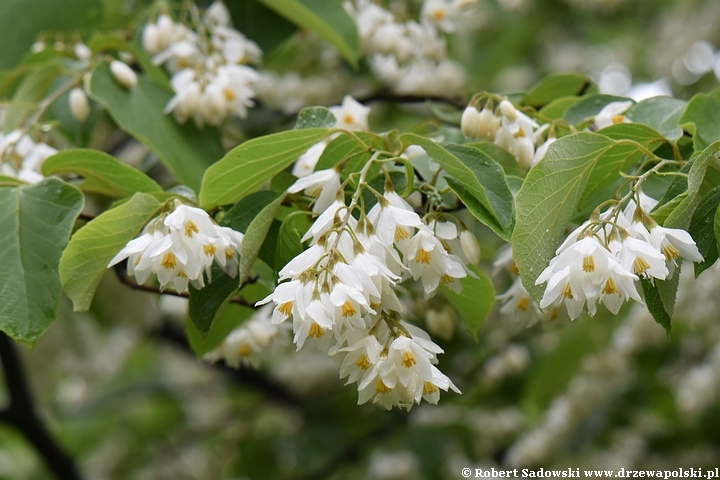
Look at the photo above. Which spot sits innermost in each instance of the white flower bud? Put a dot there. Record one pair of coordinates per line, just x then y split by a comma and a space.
123, 74
151, 38
82, 51
218, 14
524, 151
508, 110
165, 28
470, 122
489, 124
470, 247
79, 105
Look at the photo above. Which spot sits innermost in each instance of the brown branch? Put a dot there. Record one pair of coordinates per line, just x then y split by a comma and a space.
21, 414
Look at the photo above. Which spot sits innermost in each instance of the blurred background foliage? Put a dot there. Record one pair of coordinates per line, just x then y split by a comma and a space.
124, 394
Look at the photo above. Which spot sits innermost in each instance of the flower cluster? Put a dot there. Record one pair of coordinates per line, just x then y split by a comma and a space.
179, 247
351, 115
409, 56
510, 129
340, 292
209, 65
248, 344
602, 259
21, 157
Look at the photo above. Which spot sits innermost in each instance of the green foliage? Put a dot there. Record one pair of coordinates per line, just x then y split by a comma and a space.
33, 88
245, 168
289, 245
35, 221
702, 119
102, 173
574, 169
555, 86
475, 301
327, 18
315, 117
103, 43
702, 229
205, 303
183, 149
22, 20
660, 113
589, 107
85, 260
229, 317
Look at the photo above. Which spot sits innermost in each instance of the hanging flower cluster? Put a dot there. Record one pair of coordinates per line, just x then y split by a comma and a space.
603, 258
209, 65
249, 343
409, 56
179, 247
22, 157
340, 292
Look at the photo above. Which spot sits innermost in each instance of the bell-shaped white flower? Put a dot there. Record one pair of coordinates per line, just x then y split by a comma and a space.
392, 224
305, 164
351, 114
322, 185
612, 114
470, 122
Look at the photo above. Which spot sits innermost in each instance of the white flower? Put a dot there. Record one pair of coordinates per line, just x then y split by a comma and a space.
218, 14
351, 115
470, 122
612, 113
440, 13
392, 224
305, 164
516, 122
517, 301
470, 246
359, 358
427, 260
79, 105
542, 150
322, 185
639, 257
586, 272
123, 74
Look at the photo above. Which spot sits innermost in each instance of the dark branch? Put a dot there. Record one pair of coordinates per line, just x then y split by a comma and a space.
20, 413
243, 376
389, 97
121, 273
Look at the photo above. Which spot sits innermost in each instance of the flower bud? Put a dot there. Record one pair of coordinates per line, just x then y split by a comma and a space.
166, 28
470, 122
79, 105
151, 38
82, 51
508, 110
489, 124
524, 150
470, 247
123, 74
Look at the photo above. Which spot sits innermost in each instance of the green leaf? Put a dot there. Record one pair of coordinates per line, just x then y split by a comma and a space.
589, 107
327, 18
655, 306
660, 113
555, 86
475, 301
702, 119
477, 209
702, 230
289, 245
22, 20
345, 146
315, 117
85, 260
681, 215
575, 168
255, 235
102, 43
244, 212
103, 173
260, 24
35, 225
559, 107
32, 89
479, 174
247, 167
637, 132
506, 160
205, 303
183, 149
229, 317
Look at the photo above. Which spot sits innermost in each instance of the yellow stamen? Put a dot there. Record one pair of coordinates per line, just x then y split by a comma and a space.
209, 250
567, 292
422, 256
609, 287
229, 253
617, 119
381, 387
169, 261
315, 191
429, 388
347, 309
408, 359
446, 246
374, 306
181, 274
401, 234
669, 251
446, 279
363, 363
347, 119
190, 229
438, 14
244, 350
640, 265
519, 134
286, 308
513, 268
316, 331
588, 264
229, 93
523, 304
